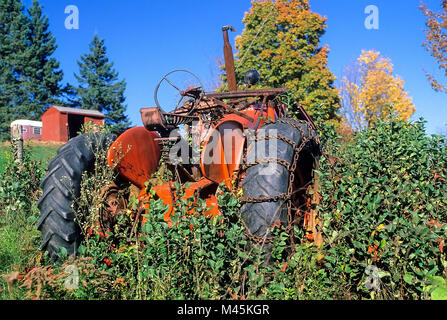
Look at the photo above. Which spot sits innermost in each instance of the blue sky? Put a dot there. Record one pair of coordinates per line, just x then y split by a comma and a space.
146, 39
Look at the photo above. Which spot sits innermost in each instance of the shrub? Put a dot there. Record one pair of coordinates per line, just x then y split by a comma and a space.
383, 220
19, 191
383, 208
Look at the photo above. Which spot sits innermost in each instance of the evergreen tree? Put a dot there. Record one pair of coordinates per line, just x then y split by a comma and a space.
29, 76
44, 75
13, 36
281, 40
99, 88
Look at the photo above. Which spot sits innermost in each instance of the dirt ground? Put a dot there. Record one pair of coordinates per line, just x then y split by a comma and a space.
33, 142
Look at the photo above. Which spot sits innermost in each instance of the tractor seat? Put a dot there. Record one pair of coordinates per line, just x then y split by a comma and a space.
155, 119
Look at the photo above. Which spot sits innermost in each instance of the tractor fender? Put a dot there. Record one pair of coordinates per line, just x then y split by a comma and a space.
135, 155
223, 151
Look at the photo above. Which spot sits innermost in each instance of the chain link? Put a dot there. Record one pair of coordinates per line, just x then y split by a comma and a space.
286, 197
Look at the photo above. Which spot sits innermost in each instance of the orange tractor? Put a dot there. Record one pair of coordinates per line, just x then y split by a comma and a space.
240, 138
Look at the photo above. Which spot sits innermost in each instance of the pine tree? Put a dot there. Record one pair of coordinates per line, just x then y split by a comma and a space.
44, 75
99, 88
281, 40
29, 76
13, 34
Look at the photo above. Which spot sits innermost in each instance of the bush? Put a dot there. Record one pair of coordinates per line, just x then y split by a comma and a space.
383, 209
383, 218
19, 191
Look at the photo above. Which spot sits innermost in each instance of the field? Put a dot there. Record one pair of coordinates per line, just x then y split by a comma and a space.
37, 151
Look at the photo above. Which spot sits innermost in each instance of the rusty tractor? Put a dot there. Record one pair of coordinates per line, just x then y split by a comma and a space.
240, 138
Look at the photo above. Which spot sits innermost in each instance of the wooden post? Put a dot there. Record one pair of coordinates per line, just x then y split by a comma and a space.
17, 142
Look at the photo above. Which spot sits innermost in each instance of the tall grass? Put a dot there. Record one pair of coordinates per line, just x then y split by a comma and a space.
19, 191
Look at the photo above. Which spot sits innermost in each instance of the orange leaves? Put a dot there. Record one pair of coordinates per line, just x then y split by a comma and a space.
435, 224
441, 245
436, 42
373, 250
108, 262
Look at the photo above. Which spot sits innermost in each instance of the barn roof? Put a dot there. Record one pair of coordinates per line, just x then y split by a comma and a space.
26, 123
86, 112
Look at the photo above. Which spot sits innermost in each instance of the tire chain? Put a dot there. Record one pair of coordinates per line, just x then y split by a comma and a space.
290, 167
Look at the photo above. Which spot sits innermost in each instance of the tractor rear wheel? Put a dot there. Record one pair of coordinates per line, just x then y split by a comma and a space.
270, 159
61, 186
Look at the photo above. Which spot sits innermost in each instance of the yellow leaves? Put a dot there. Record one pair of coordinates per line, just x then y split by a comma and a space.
368, 57
371, 92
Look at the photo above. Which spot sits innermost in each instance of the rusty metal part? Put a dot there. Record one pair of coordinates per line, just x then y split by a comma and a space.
232, 110
113, 202
229, 59
135, 155
153, 119
138, 219
246, 93
191, 92
306, 117
169, 196
314, 225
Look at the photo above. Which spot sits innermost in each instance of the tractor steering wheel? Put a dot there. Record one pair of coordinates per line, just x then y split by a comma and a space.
194, 92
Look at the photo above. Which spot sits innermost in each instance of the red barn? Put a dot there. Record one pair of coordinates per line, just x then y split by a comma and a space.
61, 123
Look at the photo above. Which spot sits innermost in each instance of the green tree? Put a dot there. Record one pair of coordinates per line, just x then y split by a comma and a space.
99, 88
13, 34
29, 75
281, 40
44, 75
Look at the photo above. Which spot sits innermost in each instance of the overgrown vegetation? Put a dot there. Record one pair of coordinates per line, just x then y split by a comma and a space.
19, 191
384, 205
383, 222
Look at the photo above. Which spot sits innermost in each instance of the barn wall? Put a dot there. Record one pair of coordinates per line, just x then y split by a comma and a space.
54, 126
98, 121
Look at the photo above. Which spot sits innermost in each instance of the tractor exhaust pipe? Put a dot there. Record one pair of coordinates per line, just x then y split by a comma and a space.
229, 59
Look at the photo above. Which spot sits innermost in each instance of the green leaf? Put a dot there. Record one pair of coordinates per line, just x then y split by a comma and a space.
440, 293
437, 280
408, 278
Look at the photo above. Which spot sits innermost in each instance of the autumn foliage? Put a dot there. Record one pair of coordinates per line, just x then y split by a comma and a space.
281, 40
436, 42
370, 92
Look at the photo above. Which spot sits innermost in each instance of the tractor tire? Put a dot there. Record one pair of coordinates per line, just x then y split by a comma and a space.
265, 179
61, 186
